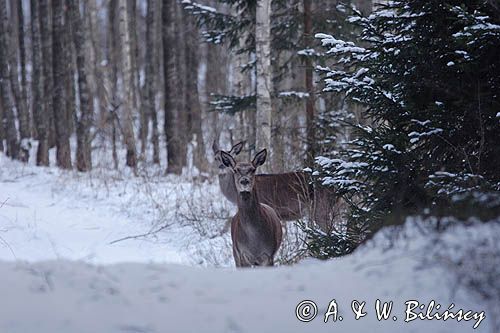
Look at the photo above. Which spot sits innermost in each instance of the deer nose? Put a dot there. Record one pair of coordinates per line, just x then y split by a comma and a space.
244, 182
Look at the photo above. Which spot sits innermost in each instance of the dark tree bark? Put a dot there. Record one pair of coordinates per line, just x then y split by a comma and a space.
69, 74
5, 85
311, 135
149, 91
22, 55
39, 110
63, 153
48, 79
19, 88
174, 157
83, 149
18, 102
2, 134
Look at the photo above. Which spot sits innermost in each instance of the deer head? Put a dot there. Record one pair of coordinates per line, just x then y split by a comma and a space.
244, 172
235, 150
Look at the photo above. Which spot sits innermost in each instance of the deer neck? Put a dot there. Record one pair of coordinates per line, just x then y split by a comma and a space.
228, 189
249, 206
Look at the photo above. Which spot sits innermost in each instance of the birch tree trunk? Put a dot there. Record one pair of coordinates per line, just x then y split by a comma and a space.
127, 96
83, 148
39, 108
264, 75
5, 85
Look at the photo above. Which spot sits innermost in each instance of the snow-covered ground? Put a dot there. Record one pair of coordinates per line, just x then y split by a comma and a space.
61, 272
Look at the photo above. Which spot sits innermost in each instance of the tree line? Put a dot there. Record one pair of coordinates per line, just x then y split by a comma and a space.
158, 80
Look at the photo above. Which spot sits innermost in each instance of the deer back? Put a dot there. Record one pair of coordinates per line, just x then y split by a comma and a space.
288, 193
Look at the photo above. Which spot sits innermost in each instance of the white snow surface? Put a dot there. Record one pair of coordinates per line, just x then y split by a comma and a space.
59, 272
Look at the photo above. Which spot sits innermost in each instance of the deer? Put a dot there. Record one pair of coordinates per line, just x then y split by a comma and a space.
290, 194
256, 228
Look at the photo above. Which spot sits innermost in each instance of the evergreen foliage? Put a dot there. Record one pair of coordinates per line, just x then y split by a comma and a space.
428, 73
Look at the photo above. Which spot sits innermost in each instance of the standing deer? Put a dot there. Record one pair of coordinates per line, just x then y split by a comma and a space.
256, 228
290, 194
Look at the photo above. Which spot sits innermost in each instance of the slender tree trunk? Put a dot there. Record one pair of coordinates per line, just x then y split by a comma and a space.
174, 158
134, 48
264, 73
193, 106
310, 118
5, 85
149, 96
69, 73
39, 108
127, 96
63, 153
2, 129
48, 79
20, 102
113, 60
83, 149
181, 80
22, 57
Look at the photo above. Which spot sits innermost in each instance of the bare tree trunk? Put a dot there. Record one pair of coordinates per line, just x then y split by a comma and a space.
174, 152
310, 118
22, 61
69, 74
134, 47
59, 68
18, 88
5, 85
127, 96
149, 97
48, 79
113, 60
2, 134
83, 148
181, 75
39, 108
193, 107
264, 73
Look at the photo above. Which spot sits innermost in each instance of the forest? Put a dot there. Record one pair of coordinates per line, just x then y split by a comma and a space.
352, 142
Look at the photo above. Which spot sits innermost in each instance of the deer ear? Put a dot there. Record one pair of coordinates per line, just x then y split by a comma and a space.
227, 159
215, 147
236, 149
259, 158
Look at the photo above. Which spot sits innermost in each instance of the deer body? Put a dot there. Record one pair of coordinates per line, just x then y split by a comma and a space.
256, 228
290, 194
256, 233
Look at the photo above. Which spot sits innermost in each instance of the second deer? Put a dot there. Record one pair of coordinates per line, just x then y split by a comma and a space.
290, 193
256, 228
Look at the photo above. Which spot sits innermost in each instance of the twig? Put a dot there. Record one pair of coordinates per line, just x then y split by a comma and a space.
152, 232
3, 203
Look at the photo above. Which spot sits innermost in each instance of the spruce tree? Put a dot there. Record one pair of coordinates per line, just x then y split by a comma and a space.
428, 73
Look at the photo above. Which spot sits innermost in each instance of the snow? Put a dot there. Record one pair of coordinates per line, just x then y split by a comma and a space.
60, 272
